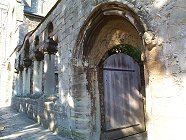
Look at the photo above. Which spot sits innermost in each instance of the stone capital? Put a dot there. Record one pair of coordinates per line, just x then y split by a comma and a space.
151, 40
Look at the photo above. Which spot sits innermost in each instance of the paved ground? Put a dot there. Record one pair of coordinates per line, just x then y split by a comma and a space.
17, 126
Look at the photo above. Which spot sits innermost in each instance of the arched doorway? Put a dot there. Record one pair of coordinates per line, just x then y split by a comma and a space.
111, 25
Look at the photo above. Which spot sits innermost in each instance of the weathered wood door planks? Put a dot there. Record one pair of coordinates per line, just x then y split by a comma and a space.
123, 104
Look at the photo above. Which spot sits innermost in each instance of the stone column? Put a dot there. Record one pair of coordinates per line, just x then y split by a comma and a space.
37, 77
20, 83
49, 67
27, 62
38, 72
49, 75
15, 84
26, 81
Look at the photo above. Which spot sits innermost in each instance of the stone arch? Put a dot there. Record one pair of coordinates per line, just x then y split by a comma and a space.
36, 42
48, 31
26, 49
51, 40
50, 28
99, 16
27, 61
38, 54
110, 24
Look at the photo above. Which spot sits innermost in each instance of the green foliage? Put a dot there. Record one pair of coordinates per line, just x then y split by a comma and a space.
135, 53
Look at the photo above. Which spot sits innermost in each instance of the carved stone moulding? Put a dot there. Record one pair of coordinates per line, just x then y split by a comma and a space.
51, 46
20, 67
151, 40
38, 55
27, 62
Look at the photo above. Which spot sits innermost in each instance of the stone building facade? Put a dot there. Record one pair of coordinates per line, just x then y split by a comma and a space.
15, 22
59, 79
8, 38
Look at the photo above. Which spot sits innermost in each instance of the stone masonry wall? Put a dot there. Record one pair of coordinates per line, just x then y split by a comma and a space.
32, 21
70, 115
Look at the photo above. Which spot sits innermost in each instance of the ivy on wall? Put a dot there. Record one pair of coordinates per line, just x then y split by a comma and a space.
135, 53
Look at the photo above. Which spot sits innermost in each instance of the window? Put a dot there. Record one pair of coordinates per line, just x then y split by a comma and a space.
31, 6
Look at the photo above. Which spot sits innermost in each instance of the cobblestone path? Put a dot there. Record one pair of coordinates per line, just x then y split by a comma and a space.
17, 126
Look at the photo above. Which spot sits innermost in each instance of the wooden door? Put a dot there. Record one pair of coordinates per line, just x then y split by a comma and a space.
123, 104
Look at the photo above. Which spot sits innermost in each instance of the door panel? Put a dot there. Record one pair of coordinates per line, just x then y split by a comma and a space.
123, 103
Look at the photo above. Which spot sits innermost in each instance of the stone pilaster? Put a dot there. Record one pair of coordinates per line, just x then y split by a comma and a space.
26, 81
49, 67
38, 73
20, 84
49, 75
37, 77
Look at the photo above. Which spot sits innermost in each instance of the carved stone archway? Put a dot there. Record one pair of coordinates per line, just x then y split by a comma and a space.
100, 15
109, 25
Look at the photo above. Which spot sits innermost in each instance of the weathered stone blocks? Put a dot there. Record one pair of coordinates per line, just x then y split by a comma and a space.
76, 113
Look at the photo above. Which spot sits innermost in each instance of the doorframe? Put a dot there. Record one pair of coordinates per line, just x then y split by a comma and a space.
101, 93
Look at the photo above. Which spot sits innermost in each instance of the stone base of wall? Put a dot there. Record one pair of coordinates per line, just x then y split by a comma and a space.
47, 112
43, 110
